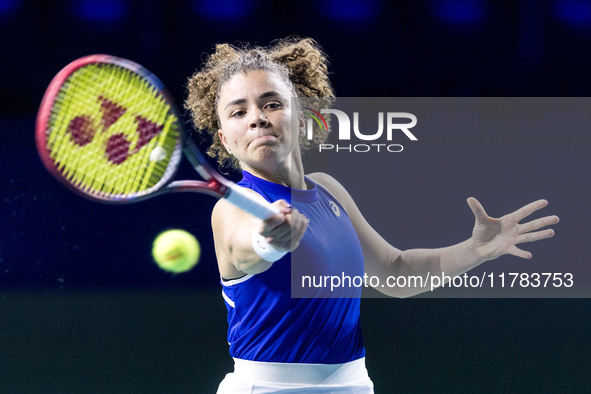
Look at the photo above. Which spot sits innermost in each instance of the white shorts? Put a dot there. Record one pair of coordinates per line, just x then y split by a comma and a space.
255, 377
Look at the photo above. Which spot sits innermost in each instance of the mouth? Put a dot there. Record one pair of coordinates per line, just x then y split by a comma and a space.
264, 139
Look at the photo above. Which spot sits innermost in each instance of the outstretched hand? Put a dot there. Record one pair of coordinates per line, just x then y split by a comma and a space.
495, 237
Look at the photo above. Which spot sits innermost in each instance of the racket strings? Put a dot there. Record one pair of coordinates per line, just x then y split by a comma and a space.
105, 123
147, 130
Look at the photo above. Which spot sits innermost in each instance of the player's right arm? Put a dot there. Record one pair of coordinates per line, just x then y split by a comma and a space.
232, 233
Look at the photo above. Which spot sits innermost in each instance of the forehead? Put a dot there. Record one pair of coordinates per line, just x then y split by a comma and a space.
253, 83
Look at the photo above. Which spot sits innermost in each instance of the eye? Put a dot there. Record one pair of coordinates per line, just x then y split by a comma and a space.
273, 105
238, 113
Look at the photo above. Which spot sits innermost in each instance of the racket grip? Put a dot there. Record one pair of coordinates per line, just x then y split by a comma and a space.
249, 203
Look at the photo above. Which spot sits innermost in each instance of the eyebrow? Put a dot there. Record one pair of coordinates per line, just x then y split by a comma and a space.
265, 95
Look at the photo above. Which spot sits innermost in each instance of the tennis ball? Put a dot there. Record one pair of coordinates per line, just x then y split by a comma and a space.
176, 251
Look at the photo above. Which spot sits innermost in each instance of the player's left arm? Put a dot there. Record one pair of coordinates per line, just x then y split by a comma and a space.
491, 238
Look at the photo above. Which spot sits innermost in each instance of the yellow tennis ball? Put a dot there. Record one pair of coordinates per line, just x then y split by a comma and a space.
176, 251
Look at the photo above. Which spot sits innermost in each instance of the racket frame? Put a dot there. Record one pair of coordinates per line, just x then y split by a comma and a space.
214, 184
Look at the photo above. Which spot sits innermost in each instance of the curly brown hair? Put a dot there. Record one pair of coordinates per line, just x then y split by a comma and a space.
300, 62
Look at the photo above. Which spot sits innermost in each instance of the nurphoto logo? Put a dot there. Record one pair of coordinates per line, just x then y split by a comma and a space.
389, 125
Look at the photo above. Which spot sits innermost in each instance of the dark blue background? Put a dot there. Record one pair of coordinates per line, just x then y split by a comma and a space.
84, 309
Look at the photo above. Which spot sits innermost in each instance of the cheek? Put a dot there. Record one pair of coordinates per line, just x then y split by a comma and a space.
285, 122
233, 137
229, 132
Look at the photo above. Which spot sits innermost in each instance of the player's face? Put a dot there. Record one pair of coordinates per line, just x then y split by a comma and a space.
254, 109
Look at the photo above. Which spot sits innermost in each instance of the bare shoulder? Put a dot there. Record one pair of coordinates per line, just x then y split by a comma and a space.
327, 181
221, 209
334, 187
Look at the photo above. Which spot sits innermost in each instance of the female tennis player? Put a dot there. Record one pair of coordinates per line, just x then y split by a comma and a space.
242, 99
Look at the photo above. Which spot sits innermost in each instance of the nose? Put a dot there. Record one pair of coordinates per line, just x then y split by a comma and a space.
258, 120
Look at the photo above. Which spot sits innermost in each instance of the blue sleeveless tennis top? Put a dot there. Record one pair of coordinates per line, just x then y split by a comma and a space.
266, 323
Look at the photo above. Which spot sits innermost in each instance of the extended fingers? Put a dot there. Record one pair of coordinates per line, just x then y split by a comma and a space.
535, 236
537, 224
527, 210
477, 209
515, 251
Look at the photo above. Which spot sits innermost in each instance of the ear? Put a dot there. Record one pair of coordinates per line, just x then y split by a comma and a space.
301, 120
224, 141
301, 125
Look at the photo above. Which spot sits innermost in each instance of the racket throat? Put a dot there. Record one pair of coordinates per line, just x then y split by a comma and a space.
219, 188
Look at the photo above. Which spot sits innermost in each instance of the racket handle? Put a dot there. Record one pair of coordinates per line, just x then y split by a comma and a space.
249, 203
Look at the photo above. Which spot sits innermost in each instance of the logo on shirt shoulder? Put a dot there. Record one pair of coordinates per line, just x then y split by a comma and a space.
335, 208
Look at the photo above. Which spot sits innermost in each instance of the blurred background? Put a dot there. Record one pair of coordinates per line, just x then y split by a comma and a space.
83, 309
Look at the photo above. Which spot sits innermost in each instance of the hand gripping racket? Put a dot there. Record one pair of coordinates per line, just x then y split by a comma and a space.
109, 130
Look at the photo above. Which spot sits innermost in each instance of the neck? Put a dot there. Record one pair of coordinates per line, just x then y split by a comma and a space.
289, 173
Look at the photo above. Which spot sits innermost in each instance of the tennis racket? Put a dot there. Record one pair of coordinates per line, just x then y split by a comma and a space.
109, 130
